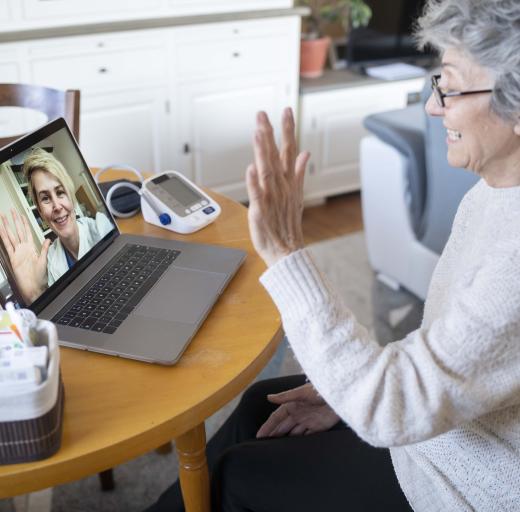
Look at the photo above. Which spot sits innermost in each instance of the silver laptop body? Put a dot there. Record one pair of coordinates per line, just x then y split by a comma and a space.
162, 323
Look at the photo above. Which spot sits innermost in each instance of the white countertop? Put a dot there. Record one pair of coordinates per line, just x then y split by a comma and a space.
17, 34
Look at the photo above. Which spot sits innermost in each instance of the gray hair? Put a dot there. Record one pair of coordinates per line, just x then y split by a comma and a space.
488, 31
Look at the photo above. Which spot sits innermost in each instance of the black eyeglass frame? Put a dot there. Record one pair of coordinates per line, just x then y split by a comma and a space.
439, 95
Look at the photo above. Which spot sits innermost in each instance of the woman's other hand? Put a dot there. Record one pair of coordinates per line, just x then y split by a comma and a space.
301, 411
275, 189
29, 266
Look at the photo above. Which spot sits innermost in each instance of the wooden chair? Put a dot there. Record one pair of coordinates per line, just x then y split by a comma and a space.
51, 102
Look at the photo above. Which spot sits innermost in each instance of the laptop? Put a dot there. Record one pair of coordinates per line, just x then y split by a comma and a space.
131, 296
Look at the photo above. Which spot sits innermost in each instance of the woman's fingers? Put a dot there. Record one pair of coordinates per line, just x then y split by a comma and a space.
44, 251
266, 130
288, 152
272, 423
298, 430
291, 395
20, 235
254, 190
267, 157
7, 236
301, 165
26, 229
262, 164
284, 427
5, 239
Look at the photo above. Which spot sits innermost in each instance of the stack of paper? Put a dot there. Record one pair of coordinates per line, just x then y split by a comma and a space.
397, 71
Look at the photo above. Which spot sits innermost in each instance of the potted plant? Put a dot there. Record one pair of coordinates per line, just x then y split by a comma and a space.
314, 44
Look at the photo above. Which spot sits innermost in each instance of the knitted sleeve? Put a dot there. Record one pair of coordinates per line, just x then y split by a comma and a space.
465, 365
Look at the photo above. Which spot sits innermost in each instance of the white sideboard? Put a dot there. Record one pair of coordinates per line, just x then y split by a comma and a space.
181, 97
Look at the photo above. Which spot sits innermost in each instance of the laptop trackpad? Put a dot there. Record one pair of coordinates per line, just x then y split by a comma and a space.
182, 295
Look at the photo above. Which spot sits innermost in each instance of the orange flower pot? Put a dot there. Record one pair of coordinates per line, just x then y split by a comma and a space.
313, 54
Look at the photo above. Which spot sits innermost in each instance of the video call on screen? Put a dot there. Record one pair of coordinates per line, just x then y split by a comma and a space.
47, 198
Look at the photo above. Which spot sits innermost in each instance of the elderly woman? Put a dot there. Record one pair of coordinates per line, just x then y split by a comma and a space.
52, 191
445, 399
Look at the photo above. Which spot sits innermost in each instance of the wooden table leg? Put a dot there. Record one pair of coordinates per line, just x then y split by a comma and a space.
193, 469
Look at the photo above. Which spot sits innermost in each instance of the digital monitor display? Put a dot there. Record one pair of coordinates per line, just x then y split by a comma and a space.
51, 216
178, 189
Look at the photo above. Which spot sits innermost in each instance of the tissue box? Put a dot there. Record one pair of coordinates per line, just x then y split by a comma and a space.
31, 421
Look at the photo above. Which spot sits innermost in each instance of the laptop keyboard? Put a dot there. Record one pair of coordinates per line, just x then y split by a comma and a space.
104, 303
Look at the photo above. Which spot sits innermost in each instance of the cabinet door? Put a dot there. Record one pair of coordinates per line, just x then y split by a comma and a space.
216, 126
127, 128
331, 128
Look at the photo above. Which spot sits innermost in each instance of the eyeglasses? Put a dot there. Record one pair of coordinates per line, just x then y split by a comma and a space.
439, 95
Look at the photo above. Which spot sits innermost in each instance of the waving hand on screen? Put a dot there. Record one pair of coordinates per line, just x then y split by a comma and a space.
29, 265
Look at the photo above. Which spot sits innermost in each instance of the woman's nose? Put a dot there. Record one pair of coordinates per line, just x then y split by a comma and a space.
432, 107
56, 205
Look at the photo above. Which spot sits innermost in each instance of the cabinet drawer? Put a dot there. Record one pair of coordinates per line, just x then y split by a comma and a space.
234, 30
111, 69
231, 57
235, 48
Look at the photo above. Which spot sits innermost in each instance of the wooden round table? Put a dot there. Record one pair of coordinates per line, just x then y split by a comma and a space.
117, 409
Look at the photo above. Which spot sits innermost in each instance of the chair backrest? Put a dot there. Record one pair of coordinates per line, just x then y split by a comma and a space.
51, 102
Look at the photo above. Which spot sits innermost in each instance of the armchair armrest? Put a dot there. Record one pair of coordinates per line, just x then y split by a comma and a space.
404, 130
393, 249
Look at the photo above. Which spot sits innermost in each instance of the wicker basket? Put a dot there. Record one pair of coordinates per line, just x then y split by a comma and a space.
31, 422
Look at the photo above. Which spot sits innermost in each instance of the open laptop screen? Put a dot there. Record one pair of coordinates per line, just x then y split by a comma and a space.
52, 215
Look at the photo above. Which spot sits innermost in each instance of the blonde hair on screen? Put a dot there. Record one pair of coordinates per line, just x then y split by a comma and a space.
41, 160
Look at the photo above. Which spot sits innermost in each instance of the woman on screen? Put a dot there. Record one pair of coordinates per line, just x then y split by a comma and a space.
52, 191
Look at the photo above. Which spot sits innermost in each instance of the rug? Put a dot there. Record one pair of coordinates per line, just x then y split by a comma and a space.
389, 315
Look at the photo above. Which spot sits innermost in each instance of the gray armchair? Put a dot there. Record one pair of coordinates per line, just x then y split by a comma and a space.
410, 194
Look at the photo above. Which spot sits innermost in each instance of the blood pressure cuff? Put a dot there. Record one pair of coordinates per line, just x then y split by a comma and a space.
124, 199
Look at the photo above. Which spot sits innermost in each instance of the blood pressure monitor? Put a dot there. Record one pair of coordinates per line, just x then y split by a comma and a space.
169, 200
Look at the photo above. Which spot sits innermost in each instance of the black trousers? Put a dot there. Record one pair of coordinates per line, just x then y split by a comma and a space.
329, 471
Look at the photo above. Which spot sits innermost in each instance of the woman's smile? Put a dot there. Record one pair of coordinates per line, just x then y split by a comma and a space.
453, 136
60, 222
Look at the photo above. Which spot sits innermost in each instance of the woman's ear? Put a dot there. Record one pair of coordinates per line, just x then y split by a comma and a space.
516, 127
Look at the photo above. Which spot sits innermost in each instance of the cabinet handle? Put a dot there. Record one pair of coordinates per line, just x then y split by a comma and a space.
186, 149
103, 70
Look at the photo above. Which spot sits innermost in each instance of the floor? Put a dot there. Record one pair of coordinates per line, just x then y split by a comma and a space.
338, 216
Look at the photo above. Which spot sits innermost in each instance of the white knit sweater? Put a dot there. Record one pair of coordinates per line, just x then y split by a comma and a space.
446, 398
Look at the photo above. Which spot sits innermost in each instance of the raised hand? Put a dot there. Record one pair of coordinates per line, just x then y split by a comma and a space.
302, 411
29, 266
275, 189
